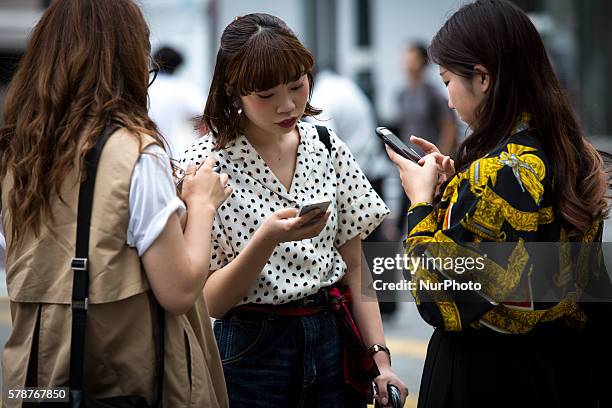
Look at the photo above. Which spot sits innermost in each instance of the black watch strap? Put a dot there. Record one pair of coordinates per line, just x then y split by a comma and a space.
375, 348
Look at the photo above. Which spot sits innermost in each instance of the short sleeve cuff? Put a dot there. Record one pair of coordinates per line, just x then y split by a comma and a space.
158, 224
364, 215
421, 204
421, 220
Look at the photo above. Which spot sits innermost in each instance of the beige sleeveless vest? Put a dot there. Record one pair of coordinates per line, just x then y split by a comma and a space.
120, 345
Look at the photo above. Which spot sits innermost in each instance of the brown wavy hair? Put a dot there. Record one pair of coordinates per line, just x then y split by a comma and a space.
501, 37
257, 52
85, 65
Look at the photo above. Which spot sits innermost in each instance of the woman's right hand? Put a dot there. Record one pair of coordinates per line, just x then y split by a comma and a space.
285, 225
446, 165
202, 186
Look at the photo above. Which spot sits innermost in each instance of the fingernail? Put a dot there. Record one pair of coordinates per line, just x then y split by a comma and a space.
384, 401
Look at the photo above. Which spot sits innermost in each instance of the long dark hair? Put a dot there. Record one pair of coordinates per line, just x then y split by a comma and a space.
85, 64
257, 52
500, 36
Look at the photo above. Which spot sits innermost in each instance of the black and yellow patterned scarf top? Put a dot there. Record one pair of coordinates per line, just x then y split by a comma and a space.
533, 275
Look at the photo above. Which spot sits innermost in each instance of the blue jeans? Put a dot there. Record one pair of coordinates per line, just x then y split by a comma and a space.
282, 361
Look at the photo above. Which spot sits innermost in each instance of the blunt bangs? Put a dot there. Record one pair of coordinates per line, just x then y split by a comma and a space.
270, 60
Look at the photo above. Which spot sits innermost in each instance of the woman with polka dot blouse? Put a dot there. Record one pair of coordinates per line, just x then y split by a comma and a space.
267, 260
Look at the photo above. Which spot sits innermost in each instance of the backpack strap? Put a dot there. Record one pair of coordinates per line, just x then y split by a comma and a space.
324, 137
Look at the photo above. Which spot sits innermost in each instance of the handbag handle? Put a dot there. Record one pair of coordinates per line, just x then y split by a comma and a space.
80, 268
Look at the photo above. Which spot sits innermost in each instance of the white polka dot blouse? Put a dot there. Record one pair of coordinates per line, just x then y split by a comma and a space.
295, 269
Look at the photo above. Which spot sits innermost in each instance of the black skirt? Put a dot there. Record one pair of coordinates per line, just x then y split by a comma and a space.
552, 366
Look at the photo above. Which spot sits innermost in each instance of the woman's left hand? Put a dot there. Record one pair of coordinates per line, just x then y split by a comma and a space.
419, 182
388, 376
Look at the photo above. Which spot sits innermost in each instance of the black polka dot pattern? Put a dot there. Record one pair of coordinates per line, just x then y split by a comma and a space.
295, 269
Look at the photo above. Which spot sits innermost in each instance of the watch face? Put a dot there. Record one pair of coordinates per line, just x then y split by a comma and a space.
375, 348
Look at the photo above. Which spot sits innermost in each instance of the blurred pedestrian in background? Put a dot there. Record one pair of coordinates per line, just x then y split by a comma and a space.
348, 112
536, 334
174, 102
83, 78
422, 110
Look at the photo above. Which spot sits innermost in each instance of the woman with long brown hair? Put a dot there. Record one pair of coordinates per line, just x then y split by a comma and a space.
274, 272
526, 198
84, 74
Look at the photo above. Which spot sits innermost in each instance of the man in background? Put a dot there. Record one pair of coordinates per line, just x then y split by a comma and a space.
348, 112
422, 111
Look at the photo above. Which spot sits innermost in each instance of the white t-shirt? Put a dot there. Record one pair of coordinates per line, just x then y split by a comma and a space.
295, 269
152, 201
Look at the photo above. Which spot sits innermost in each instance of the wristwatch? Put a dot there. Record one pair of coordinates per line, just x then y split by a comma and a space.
375, 348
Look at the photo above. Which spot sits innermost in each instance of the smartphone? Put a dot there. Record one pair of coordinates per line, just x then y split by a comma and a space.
179, 185
397, 145
320, 206
395, 398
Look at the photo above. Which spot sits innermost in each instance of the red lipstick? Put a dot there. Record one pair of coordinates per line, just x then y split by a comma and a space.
288, 123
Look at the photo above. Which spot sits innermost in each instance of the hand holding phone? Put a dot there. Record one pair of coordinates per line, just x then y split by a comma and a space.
318, 205
397, 145
284, 225
395, 397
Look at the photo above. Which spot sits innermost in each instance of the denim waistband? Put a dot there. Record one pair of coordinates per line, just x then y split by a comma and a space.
321, 298
316, 302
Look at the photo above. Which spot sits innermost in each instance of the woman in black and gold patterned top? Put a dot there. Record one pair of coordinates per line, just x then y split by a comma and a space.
524, 199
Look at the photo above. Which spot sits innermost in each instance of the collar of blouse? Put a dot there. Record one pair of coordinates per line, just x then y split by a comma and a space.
242, 158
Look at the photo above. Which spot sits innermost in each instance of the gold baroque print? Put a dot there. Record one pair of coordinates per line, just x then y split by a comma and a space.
492, 210
585, 255
481, 171
497, 282
412, 242
546, 215
589, 236
450, 315
480, 231
581, 272
452, 189
521, 321
424, 275
528, 169
564, 275
427, 224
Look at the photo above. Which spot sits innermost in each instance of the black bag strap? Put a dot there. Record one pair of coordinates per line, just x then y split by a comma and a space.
324, 137
80, 283
159, 353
